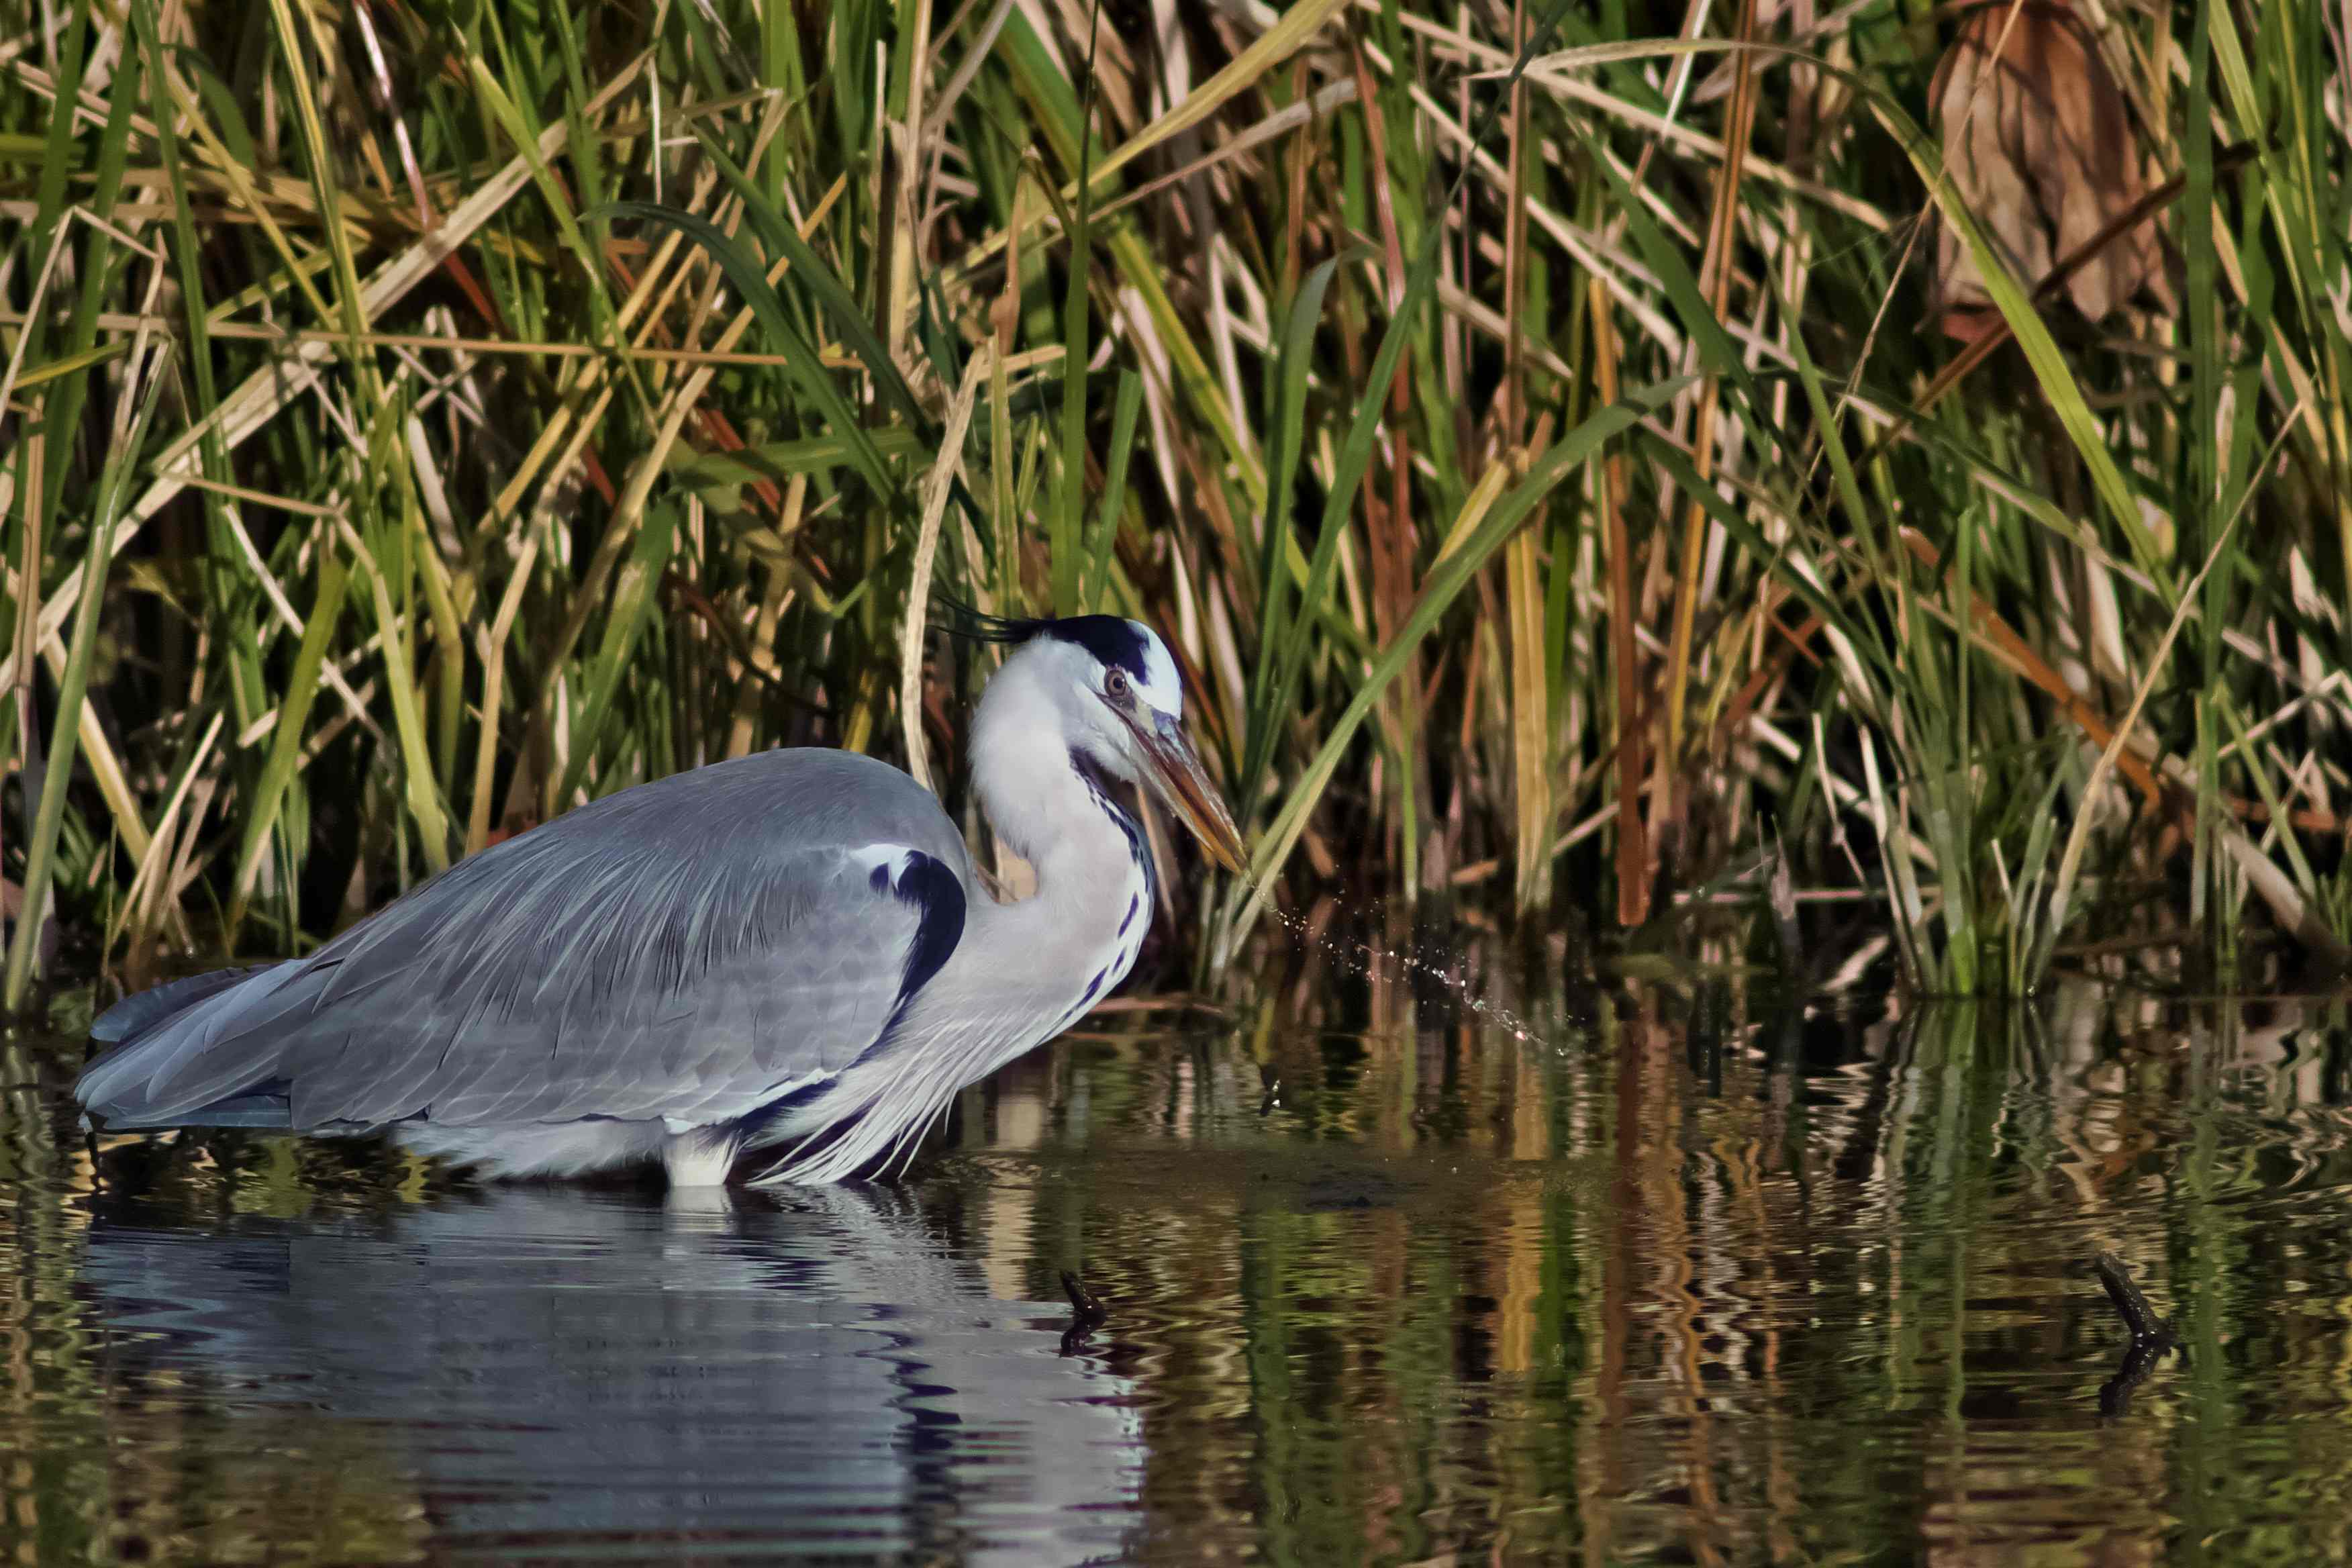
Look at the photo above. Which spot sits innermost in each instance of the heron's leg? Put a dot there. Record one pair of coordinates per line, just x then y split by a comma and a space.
700, 1157
698, 1210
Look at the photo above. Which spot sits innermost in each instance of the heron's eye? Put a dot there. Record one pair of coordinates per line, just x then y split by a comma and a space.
1114, 685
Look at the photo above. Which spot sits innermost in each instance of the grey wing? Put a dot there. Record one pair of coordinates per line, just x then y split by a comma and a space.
693, 949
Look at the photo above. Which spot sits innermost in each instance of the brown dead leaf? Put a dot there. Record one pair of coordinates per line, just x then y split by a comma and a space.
2040, 144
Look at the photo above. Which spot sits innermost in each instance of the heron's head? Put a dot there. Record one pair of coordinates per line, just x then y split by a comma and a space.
1113, 692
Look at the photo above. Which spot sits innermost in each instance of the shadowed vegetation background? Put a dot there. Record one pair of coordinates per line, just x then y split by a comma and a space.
420, 418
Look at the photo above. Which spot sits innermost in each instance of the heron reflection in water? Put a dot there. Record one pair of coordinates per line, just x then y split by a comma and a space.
784, 948
817, 1373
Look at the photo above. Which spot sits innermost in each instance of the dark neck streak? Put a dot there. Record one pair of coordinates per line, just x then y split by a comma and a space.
1105, 790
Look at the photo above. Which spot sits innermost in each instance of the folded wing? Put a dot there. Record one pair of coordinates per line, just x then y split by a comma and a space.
693, 949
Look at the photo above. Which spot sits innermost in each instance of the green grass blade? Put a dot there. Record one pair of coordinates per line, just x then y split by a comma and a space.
65, 730
1446, 581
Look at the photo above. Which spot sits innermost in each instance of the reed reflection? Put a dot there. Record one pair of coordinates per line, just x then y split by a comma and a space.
1708, 1273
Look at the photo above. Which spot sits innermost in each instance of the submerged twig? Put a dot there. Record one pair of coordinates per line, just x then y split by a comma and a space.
2151, 1336
1087, 1313
2131, 1305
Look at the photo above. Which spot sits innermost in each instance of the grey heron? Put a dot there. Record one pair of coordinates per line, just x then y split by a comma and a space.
789, 948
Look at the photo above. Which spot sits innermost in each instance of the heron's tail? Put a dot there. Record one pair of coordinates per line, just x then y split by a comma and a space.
136, 1016
164, 1070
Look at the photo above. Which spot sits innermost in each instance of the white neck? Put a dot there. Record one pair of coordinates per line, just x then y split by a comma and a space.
1045, 812
1023, 971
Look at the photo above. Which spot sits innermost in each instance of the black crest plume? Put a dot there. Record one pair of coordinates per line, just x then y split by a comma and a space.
970, 623
1112, 640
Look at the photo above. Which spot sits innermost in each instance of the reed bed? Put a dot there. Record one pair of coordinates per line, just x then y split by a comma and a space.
1531, 424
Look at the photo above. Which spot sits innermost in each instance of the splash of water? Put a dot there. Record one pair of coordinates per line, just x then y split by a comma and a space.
1357, 957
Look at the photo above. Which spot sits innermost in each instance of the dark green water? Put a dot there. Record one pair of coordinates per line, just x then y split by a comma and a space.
1695, 1282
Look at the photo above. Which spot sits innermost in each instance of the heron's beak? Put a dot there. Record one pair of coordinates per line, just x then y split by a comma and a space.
1174, 771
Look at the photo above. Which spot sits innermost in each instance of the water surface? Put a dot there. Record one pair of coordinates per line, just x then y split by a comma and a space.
1685, 1276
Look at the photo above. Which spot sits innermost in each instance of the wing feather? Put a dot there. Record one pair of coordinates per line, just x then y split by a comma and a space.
690, 950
